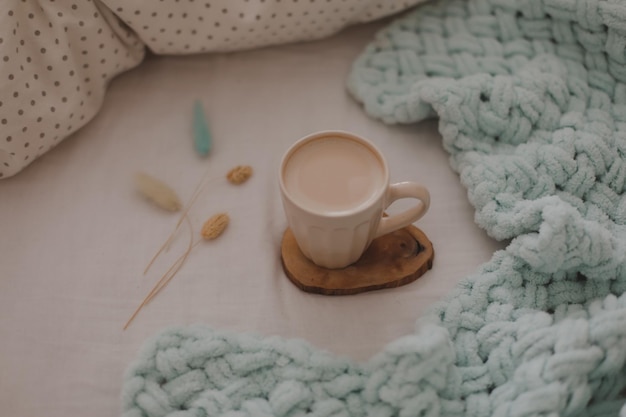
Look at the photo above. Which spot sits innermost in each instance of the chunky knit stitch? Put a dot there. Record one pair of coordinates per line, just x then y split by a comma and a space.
531, 101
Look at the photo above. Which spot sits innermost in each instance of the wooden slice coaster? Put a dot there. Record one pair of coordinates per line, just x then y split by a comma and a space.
396, 259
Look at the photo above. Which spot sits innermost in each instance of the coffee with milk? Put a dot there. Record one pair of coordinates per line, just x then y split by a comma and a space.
333, 174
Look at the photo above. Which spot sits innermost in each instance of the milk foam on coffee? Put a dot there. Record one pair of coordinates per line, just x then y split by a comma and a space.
333, 174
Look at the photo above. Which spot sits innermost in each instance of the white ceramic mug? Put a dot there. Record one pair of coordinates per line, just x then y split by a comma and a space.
335, 188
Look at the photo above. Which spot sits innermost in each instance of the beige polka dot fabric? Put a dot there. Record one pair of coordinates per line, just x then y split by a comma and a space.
184, 26
57, 56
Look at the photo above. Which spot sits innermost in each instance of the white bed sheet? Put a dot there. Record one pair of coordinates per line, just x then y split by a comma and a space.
75, 236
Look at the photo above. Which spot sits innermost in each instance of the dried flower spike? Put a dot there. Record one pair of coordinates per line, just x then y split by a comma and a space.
239, 174
157, 191
201, 133
214, 226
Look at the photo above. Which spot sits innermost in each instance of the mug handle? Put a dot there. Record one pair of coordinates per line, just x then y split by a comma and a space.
398, 221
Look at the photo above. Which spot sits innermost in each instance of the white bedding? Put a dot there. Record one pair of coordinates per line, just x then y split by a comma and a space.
75, 236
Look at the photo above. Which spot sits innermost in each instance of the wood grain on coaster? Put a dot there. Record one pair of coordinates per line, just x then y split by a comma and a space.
395, 259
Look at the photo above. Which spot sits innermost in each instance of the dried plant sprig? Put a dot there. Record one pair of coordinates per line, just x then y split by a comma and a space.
167, 277
211, 229
214, 226
239, 174
203, 183
157, 191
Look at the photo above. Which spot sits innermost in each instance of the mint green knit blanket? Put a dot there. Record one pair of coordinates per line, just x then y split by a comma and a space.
531, 101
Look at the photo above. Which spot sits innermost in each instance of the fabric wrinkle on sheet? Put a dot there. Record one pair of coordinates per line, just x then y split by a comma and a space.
531, 99
58, 57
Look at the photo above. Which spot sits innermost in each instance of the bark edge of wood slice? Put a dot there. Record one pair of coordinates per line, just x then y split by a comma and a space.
391, 261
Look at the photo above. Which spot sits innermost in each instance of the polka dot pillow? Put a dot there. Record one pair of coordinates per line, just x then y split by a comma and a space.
57, 56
